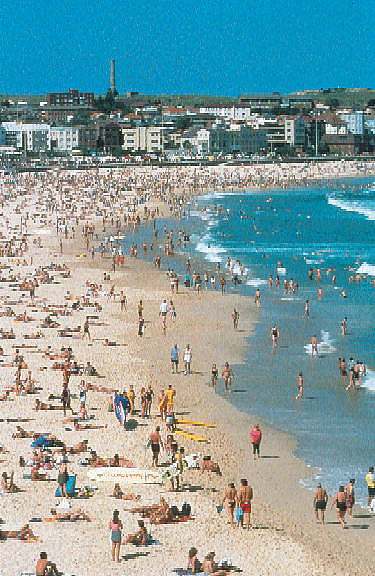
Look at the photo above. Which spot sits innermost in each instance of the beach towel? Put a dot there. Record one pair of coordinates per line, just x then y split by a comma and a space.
41, 441
70, 487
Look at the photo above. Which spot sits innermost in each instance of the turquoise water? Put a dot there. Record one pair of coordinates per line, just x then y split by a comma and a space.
327, 227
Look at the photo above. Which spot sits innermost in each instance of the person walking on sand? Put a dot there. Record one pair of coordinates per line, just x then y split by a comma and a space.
320, 503
235, 318
115, 526
340, 501
62, 479
175, 359
86, 330
350, 498
300, 387
227, 375
214, 375
255, 439
230, 501
155, 442
244, 497
222, 284
370, 481
187, 359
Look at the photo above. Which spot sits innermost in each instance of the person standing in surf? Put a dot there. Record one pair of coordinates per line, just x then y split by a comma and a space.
300, 387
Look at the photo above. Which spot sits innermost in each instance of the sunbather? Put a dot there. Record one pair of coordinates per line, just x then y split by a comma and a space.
140, 537
120, 495
24, 534
78, 514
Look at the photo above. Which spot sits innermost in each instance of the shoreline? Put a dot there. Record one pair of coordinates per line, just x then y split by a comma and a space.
287, 516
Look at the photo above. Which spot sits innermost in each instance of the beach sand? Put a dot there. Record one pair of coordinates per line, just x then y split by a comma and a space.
284, 538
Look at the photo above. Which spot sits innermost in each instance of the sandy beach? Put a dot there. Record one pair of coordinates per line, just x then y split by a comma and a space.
284, 537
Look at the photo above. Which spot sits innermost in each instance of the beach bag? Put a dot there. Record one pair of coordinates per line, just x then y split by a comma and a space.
186, 510
175, 511
239, 514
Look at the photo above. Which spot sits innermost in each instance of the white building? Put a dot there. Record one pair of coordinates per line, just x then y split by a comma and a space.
237, 139
355, 121
29, 137
64, 138
295, 131
143, 138
231, 113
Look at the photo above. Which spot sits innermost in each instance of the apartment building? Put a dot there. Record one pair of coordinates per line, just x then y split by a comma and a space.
28, 137
143, 138
64, 138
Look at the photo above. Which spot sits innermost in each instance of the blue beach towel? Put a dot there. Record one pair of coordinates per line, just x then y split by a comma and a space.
70, 487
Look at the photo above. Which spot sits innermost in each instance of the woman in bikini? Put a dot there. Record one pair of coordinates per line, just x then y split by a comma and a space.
230, 501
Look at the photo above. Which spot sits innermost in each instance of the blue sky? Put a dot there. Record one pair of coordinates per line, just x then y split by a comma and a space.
186, 47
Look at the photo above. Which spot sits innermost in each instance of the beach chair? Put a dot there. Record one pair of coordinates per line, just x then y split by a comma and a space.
70, 487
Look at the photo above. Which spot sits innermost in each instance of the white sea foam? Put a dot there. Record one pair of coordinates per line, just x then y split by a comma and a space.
368, 381
281, 270
256, 282
352, 206
366, 268
325, 346
314, 261
212, 253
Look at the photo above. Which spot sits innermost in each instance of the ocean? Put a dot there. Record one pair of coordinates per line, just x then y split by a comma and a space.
330, 226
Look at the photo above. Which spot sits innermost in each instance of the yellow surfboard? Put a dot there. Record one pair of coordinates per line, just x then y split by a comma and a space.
192, 423
191, 436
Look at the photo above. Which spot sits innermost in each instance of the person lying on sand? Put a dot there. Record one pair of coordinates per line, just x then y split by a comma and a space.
46, 406
97, 388
77, 514
140, 537
24, 534
4, 396
157, 513
34, 336
120, 495
78, 426
79, 448
112, 343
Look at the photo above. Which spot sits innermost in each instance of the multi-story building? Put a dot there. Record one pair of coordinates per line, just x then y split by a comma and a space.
70, 98
143, 138
2, 136
230, 113
87, 137
237, 139
28, 137
295, 131
64, 138
64, 113
355, 122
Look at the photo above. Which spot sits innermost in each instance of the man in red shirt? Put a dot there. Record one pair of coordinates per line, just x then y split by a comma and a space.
255, 439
